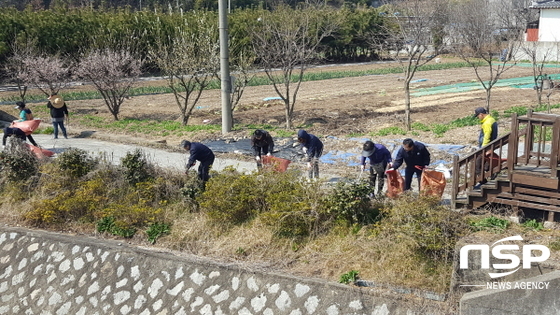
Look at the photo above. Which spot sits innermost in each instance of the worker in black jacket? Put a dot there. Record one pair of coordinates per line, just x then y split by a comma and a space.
203, 154
313, 149
18, 133
416, 157
261, 143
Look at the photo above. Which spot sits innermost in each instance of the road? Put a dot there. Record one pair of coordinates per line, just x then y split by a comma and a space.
114, 152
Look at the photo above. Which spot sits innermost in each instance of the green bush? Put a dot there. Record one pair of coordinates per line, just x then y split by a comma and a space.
119, 228
75, 162
350, 276
291, 204
465, 121
78, 204
232, 198
283, 201
350, 203
390, 131
440, 129
420, 126
490, 223
519, 110
137, 168
422, 221
157, 230
533, 225
17, 162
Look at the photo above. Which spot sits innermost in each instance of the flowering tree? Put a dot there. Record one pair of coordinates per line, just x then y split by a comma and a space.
49, 74
113, 72
16, 67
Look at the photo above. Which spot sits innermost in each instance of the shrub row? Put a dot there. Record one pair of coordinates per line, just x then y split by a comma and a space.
67, 32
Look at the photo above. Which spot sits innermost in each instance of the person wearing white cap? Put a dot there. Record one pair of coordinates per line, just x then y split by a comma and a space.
24, 112
59, 112
379, 157
24, 115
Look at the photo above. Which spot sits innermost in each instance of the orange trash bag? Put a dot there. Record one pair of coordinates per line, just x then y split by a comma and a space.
27, 126
39, 153
279, 164
432, 183
395, 183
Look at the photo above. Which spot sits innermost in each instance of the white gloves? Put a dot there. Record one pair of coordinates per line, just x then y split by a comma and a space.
309, 164
268, 154
304, 150
363, 167
258, 158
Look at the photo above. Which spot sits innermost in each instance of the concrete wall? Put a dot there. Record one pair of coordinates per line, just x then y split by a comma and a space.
48, 273
518, 300
547, 51
549, 24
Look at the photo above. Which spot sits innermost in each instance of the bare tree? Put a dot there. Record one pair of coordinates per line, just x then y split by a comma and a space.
189, 60
538, 55
243, 69
285, 43
483, 36
412, 37
113, 72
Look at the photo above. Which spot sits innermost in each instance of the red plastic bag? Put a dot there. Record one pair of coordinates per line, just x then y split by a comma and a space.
279, 164
432, 183
40, 153
395, 183
492, 160
27, 126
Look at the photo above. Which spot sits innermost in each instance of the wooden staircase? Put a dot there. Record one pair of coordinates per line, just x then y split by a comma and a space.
521, 169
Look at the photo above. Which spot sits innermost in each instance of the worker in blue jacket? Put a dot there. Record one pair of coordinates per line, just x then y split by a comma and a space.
203, 154
416, 157
313, 149
379, 157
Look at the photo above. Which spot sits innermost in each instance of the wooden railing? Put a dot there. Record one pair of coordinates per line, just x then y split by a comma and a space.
464, 170
529, 153
540, 135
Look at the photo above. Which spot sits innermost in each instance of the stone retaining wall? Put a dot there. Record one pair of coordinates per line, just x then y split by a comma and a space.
48, 273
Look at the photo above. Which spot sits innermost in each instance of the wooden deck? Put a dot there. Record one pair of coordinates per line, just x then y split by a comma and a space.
521, 168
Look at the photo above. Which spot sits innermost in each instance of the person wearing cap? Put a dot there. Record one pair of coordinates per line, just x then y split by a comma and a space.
417, 158
203, 154
59, 112
488, 127
379, 157
313, 149
488, 133
24, 113
262, 143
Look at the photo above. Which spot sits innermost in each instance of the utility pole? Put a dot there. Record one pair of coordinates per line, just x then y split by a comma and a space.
224, 67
